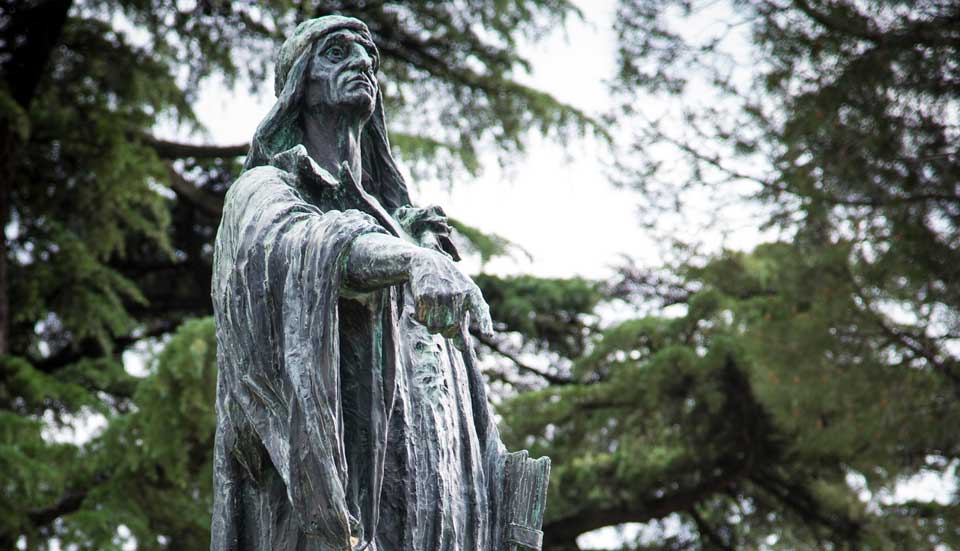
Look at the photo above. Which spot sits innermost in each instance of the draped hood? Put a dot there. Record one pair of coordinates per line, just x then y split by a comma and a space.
281, 129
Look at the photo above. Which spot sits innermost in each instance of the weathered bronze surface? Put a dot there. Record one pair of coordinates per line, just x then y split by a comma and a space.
351, 410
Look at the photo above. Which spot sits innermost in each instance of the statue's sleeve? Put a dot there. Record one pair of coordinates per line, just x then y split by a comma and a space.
278, 267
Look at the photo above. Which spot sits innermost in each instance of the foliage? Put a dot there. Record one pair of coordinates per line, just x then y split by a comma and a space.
802, 367
548, 312
746, 414
486, 245
766, 399
148, 469
109, 229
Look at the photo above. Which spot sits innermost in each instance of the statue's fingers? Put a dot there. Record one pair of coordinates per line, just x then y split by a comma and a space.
447, 246
435, 318
428, 313
451, 332
455, 309
421, 311
460, 339
435, 313
481, 313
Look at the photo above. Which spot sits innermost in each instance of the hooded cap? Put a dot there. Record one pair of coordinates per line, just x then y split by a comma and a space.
305, 35
280, 130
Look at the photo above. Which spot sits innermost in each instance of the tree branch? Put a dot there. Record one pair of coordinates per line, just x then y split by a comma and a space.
90, 348
208, 203
798, 498
173, 150
68, 504
707, 532
919, 345
935, 31
549, 377
560, 531
843, 27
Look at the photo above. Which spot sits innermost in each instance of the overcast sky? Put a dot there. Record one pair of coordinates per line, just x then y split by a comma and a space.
555, 202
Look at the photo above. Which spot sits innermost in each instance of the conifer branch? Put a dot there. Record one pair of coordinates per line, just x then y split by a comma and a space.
208, 203
560, 531
67, 504
168, 150
707, 531
549, 377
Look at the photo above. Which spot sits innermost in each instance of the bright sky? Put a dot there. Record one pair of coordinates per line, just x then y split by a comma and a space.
554, 202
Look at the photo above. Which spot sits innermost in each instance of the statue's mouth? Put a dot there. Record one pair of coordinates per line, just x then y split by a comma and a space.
361, 78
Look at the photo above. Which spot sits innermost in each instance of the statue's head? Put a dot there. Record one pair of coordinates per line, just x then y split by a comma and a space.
321, 66
336, 60
342, 74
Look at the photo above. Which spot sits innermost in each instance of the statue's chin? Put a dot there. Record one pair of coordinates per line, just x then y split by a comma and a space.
360, 103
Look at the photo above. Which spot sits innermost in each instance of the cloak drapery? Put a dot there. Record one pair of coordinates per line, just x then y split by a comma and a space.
339, 416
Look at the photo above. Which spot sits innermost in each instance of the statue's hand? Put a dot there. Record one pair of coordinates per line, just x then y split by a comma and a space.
444, 299
429, 227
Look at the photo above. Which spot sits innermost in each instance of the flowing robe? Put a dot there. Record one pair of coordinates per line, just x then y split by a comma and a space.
338, 414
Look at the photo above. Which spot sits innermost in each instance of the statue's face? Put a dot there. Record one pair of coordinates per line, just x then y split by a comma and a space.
342, 74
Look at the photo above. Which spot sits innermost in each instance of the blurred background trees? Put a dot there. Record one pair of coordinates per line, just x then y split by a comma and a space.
774, 398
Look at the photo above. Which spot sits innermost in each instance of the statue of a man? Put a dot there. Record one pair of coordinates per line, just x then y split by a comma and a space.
346, 417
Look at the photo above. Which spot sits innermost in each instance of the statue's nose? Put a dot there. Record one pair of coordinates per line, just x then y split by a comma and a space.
360, 57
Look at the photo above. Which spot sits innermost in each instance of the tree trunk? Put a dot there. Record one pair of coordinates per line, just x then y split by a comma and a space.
8, 148
30, 31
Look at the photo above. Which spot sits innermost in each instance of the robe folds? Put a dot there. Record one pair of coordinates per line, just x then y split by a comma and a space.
338, 414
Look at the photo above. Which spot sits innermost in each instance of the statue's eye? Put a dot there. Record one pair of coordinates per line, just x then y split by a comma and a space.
334, 53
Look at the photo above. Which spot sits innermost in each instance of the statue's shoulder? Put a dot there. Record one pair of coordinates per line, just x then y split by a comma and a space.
288, 169
264, 175
260, 180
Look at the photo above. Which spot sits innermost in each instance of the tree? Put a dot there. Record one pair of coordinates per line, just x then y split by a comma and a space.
745, 417
810, 370
753, 403
109, 228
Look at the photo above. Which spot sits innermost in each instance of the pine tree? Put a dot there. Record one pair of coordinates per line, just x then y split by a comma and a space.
109, 228
792, 379
744, 403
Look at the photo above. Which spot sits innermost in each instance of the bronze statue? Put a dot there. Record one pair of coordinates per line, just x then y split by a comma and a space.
351, 411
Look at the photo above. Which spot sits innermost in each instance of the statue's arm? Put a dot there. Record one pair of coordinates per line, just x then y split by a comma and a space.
378, 260
443, 296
